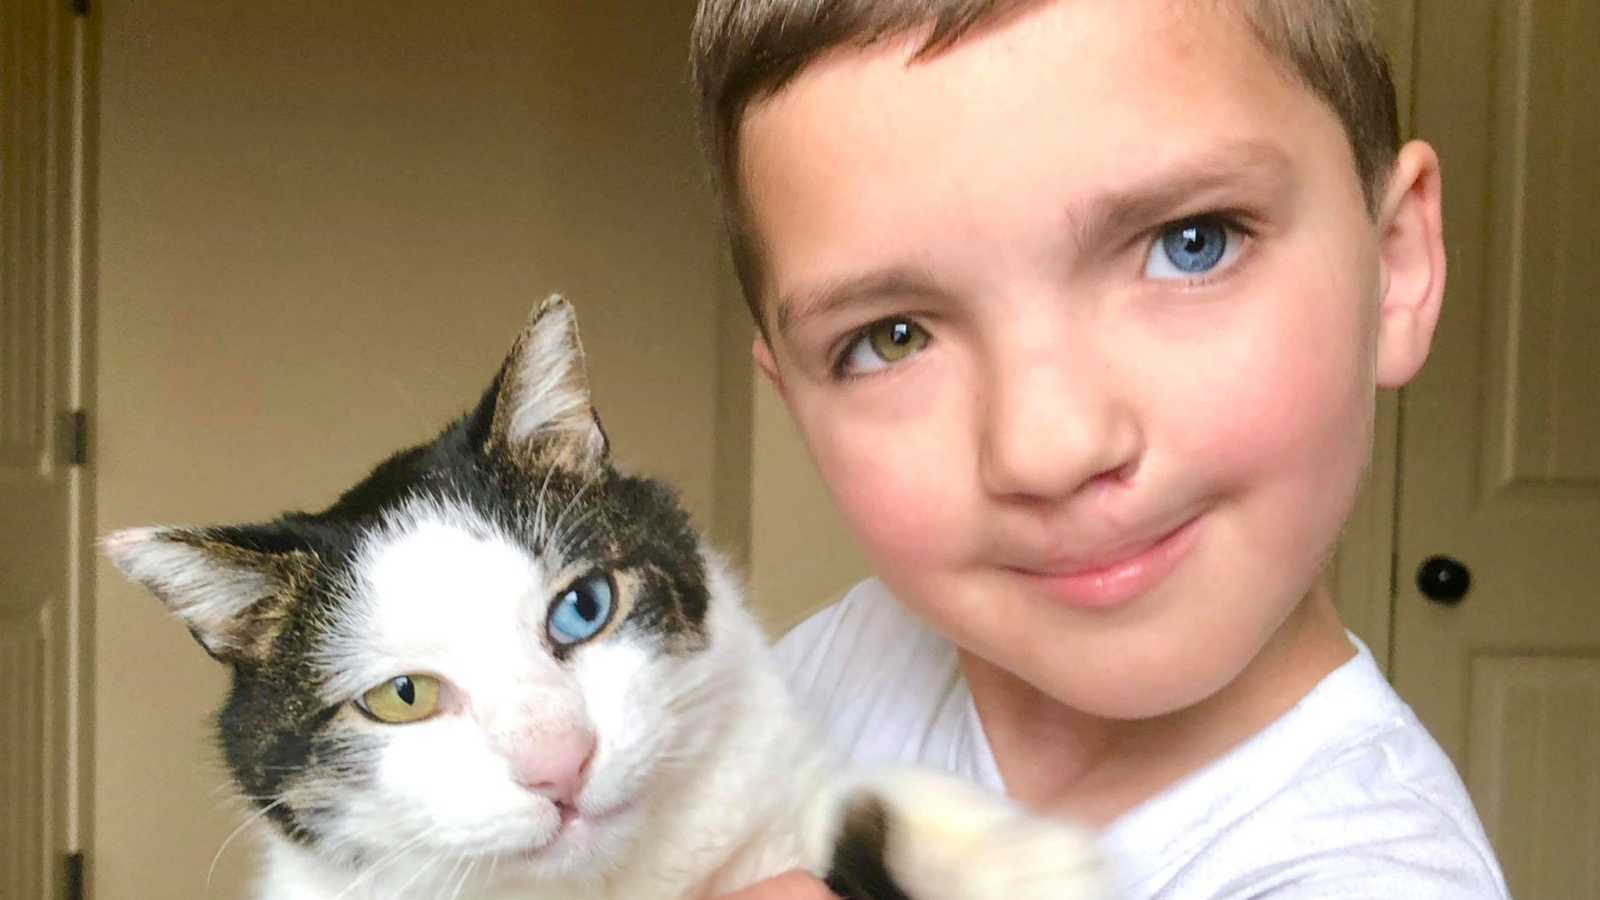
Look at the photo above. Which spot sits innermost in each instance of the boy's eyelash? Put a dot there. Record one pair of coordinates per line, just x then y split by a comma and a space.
1232, 219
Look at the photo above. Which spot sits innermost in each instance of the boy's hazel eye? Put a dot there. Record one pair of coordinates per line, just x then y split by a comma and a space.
883, 344
1192, 249
403, 699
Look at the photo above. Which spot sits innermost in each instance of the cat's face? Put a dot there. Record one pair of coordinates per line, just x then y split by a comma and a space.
495, 649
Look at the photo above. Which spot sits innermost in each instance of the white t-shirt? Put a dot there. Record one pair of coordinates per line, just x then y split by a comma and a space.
1346, 795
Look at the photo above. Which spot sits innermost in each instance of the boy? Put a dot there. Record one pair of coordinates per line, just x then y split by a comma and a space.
1081, 306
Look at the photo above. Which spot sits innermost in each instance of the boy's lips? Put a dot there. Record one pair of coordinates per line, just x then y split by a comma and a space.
1115, 576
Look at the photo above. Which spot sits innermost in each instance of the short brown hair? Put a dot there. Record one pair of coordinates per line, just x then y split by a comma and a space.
747, 50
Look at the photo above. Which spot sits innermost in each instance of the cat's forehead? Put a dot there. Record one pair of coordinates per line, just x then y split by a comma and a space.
436, 582
431, 544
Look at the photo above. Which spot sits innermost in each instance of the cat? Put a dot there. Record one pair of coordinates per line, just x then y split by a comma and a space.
498, 667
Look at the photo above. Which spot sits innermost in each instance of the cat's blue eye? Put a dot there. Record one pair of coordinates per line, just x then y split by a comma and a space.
581, 610
1193, 249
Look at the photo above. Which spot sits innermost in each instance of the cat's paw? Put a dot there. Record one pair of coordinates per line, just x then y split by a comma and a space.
1030, 859
916, 836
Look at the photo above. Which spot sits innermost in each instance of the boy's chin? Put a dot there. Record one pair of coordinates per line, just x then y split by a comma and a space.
1161, 667
1144, 668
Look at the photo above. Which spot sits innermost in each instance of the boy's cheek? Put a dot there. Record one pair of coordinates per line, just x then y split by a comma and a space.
897, 487
1292, 426
1284, 370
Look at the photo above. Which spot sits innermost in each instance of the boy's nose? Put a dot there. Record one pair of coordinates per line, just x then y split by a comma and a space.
1049, 428
554, 765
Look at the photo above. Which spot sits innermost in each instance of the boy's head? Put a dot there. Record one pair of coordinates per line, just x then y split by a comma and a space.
745, 51
1081, 308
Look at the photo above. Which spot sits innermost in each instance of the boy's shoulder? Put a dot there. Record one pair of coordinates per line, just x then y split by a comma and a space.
852, 637
884, 687
1345, 795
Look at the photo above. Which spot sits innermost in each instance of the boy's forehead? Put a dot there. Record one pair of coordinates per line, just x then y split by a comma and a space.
1088, 57
1084, 104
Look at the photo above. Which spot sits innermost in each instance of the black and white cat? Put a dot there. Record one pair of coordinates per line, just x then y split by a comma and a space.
500, 668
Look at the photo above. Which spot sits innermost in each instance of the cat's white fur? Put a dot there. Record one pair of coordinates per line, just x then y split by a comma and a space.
704, 776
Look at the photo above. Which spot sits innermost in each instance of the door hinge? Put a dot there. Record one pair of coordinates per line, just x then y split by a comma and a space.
75, 876
78, 443
80, 7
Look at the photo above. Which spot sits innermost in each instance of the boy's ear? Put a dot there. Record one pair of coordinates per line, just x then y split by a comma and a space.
226, 591
1411, 253
541, 397
766, 362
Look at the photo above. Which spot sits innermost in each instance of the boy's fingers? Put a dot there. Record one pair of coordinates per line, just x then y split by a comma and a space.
788, 886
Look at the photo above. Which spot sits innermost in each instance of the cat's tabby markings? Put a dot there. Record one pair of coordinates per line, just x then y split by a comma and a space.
498, 667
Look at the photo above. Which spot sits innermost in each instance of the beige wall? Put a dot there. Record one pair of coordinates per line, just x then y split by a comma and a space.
320, 225
801, 556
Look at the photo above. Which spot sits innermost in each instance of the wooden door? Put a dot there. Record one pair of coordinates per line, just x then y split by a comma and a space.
38, 124
1500, 437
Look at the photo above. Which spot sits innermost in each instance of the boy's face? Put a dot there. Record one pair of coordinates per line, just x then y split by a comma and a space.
1119, 395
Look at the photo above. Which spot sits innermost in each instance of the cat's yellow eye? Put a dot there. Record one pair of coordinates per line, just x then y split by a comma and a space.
407, 698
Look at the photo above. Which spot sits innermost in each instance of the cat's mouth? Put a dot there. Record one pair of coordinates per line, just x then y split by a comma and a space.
575, 823
568, 813
575, 816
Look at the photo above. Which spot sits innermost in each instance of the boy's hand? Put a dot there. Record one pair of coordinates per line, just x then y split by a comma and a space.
788, 886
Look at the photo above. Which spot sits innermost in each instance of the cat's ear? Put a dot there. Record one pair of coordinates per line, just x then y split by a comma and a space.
541, 398
226, 590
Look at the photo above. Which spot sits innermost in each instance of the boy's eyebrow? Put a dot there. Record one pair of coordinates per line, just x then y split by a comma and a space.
1135, 205
815, 302
1139, 204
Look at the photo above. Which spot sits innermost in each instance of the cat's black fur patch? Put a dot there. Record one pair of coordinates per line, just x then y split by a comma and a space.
859, 870
281, 739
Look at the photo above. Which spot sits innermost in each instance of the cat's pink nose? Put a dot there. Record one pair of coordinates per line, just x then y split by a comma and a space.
554, 765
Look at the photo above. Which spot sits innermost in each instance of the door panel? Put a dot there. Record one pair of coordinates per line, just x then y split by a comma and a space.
1543, 426
1500, 437
24, 672
1536, 719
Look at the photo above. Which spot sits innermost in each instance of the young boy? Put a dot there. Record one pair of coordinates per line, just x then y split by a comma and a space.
1081, 306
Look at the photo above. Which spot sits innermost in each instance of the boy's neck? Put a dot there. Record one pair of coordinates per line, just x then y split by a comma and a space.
1053, 757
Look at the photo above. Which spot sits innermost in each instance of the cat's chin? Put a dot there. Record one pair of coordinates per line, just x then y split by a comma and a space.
585, 844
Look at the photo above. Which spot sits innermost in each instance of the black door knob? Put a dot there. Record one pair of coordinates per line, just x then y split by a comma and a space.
1443, 580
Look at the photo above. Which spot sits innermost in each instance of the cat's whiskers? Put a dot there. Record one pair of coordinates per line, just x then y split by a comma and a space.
539, 531
437, 880
563, 541
576, 498
421, 870
212, 871
384, 861
467, 873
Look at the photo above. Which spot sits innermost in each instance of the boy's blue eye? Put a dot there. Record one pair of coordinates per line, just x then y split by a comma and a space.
581, 610
1192, 249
